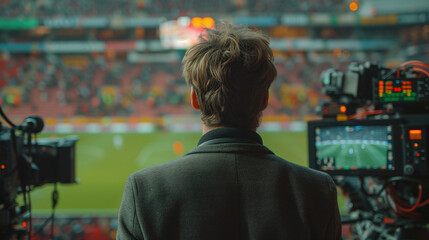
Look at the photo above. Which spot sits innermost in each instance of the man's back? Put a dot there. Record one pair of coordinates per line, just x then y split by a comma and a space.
229, 190
230, 186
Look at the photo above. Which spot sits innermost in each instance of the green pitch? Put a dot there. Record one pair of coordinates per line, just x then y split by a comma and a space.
369, 156
105, 160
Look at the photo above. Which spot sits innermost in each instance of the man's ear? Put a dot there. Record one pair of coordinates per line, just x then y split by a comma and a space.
194, 99
266, 101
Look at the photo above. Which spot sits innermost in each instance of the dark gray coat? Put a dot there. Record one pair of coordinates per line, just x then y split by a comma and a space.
229, 191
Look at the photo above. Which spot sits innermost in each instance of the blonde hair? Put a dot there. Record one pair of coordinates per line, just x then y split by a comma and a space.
230, 69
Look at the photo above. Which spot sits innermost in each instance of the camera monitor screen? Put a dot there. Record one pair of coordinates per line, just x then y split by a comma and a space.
348, 148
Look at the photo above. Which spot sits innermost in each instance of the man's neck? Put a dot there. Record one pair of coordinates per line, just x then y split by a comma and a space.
207, 129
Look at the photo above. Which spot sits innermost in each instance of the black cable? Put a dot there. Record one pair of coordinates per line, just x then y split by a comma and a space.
392, 72
49, 219
388, 181
30, 225
54, 204
19, 164
6, 118
24, 195
28, 191
409, 179
407, 67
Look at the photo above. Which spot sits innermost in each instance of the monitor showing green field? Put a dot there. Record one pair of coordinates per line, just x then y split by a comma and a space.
366, 147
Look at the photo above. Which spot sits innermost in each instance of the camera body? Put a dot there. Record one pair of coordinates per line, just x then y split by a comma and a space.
394, 91
26, 163
47, 160
390, 139
55, 158
373, 140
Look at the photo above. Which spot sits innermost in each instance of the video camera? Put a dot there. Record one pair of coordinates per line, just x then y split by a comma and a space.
373, 140
391, 139
25, 163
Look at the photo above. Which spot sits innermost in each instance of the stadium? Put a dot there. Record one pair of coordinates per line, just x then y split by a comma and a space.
109, 72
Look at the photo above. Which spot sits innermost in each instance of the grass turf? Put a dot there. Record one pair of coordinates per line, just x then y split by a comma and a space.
105, 160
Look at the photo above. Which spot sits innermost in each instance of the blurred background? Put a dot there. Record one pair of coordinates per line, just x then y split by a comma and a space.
110, 72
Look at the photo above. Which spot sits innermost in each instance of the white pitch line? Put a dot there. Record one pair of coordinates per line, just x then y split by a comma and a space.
144, 155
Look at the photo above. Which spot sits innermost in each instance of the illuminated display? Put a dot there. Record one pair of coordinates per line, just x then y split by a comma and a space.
396, 91
183, 32
354, 147
415, 134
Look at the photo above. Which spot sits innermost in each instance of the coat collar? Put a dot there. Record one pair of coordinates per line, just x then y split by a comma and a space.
228, 134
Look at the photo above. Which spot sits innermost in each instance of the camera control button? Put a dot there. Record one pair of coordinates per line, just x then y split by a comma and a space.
408, 170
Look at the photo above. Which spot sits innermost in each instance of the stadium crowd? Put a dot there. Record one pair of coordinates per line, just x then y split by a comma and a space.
166, 8
102, 84
93, 86
85, 228
98, 85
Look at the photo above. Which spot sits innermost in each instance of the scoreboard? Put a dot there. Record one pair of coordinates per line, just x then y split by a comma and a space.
183, 32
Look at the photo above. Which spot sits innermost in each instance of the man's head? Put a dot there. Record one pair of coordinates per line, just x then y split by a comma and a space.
230, 71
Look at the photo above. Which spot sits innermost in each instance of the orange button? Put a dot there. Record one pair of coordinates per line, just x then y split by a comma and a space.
415, 134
